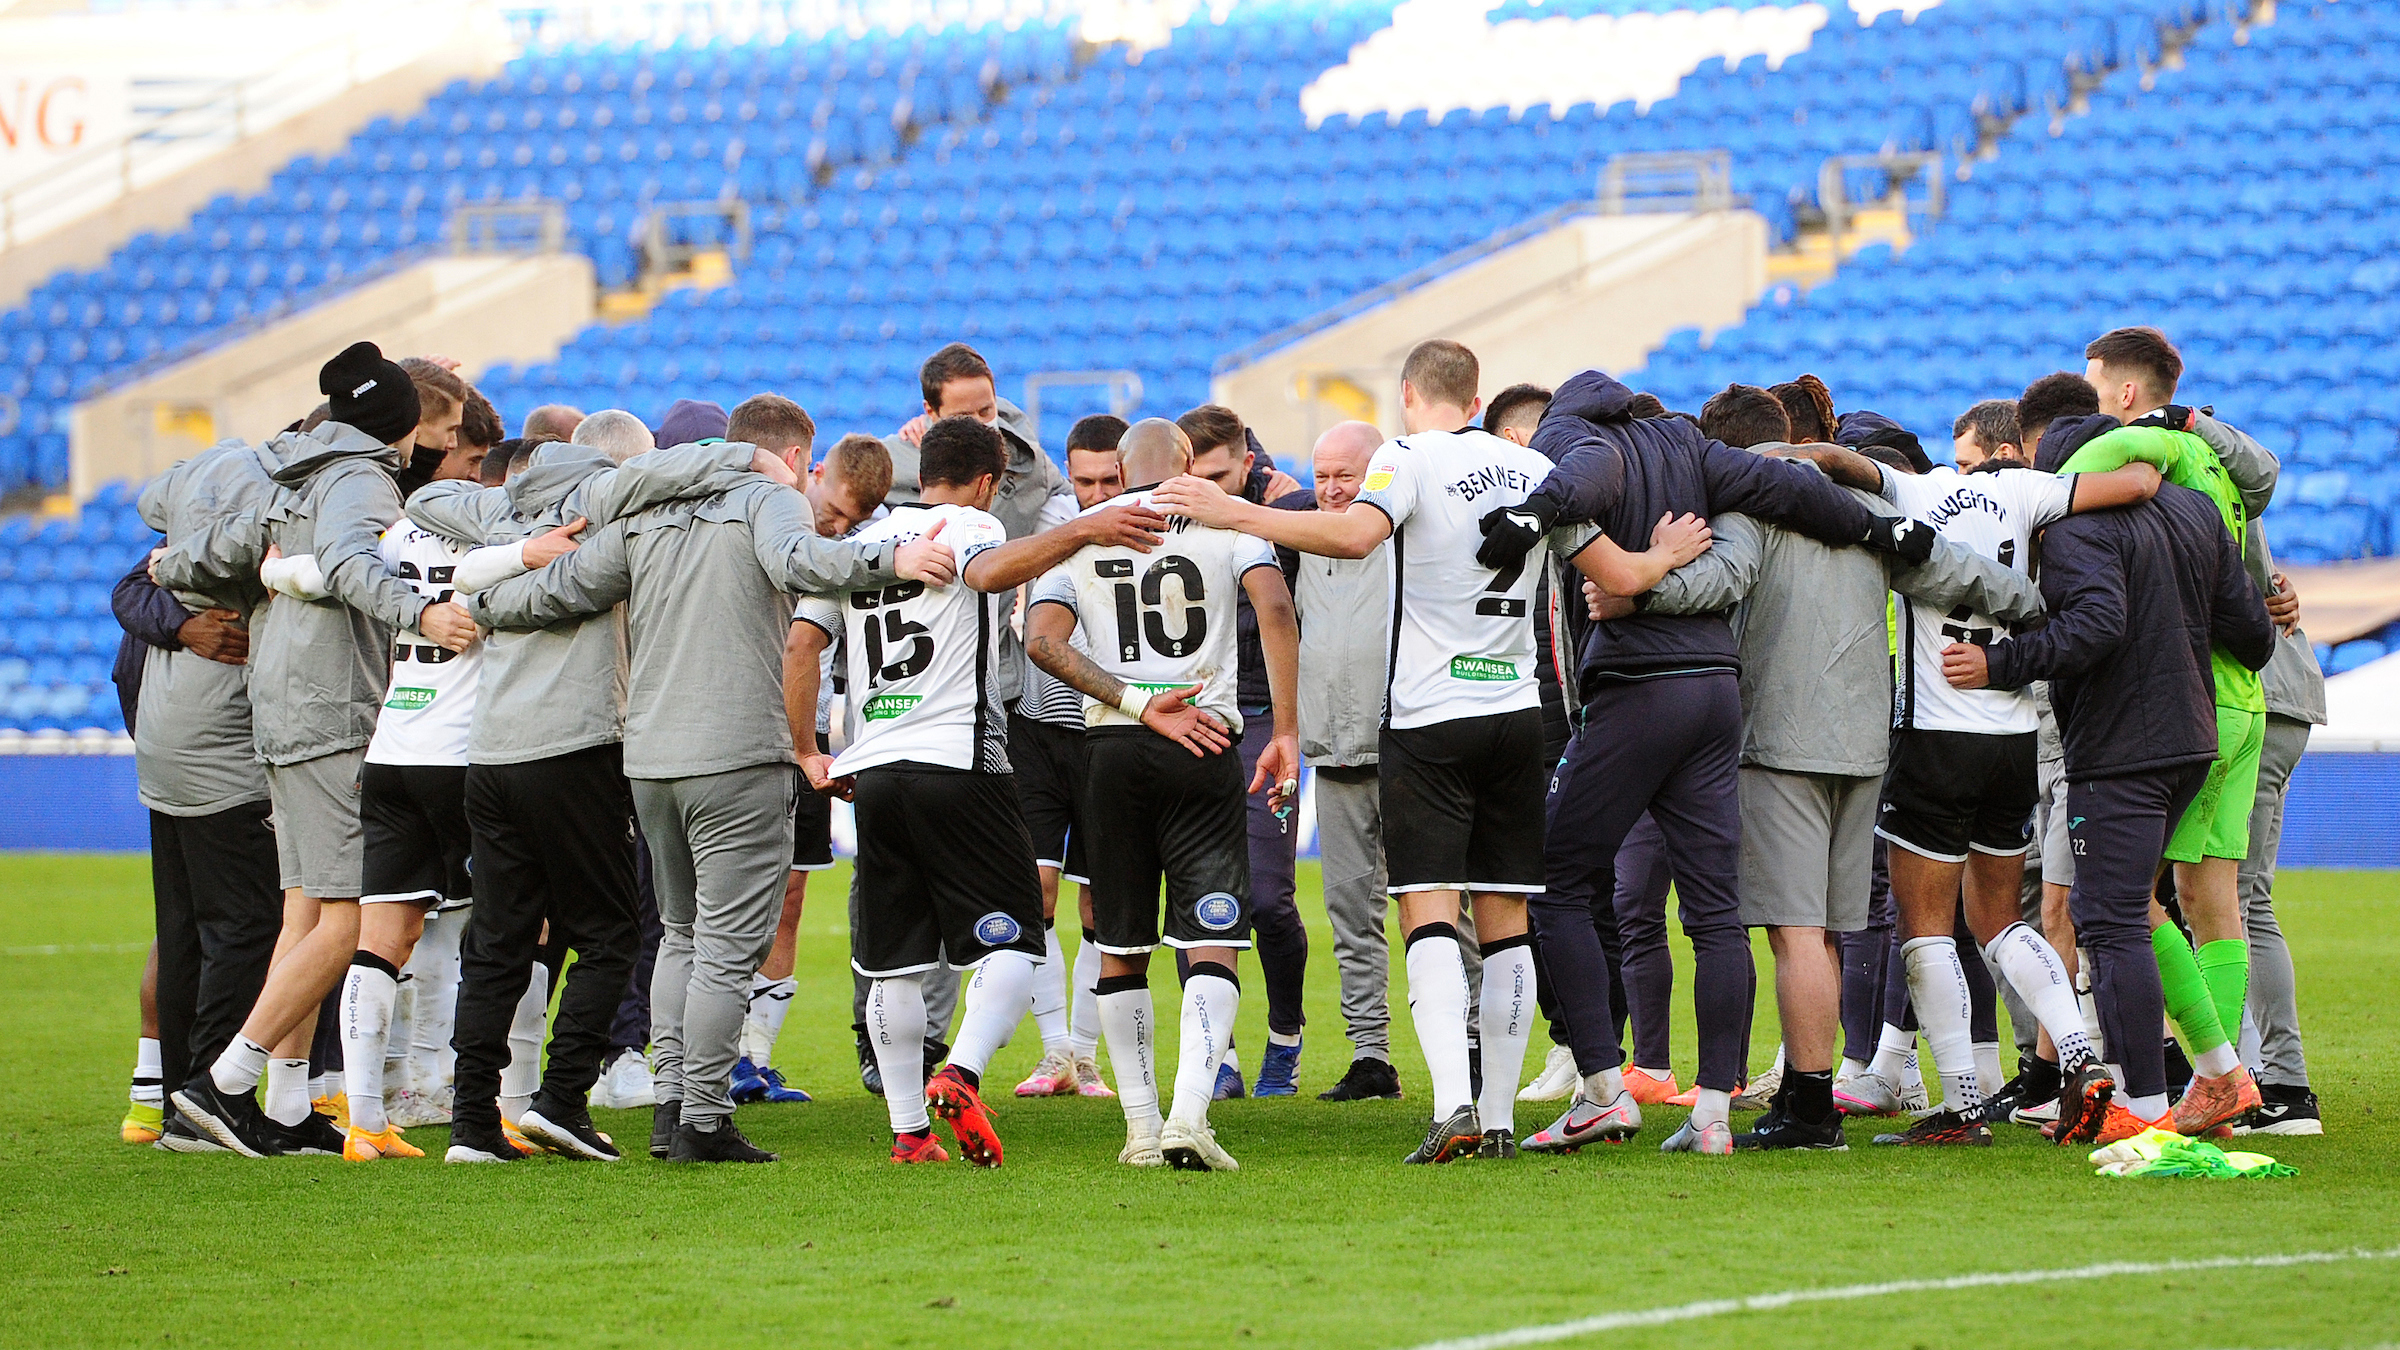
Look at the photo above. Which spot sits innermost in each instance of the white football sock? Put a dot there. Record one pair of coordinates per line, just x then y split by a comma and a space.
287, 1091
1437, 1003
2088, 1004
367, 997
1209, 1005
238, 1069
147, 1067
1711, 1107
1130, 1022
1507, 1024
1083, 1026
995, 1000
432, 972
1602, 1088
896, 1030
1279, 1038
1988, 1078
770, 1003
1895, 1050
1851, 1068
1937, 986
2033, 969
2150, 1108
2216, 1063
524, 1071
1049, 995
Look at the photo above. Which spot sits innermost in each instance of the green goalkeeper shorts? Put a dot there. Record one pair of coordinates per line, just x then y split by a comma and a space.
2218, 823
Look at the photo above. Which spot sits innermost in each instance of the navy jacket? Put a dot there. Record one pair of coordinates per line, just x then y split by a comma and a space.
150, 618
1623, 473
2136, 597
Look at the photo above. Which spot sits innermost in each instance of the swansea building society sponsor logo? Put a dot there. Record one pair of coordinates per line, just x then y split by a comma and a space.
884, 707
407, 698
1481, 668
997, 930
1217, 912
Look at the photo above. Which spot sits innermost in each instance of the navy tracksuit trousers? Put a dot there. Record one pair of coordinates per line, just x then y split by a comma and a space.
2119, 829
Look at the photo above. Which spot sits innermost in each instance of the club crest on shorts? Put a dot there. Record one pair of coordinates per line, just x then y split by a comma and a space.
997, 930
1217, 912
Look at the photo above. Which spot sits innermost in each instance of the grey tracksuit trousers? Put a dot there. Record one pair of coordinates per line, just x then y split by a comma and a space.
2271, 1044
1350, 843
720, 848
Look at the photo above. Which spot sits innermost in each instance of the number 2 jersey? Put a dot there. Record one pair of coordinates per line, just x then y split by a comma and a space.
1994, 514
1163, 619
430, 701
921, 661
1462, 634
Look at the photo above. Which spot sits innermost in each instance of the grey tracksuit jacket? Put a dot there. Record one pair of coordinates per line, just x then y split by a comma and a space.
317, 667
1345, 638
706, 583
1811, 623
2295, 685
559, 689
194, 751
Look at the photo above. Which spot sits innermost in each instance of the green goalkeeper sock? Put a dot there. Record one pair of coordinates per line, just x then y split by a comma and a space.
2188, 1001
2225, 964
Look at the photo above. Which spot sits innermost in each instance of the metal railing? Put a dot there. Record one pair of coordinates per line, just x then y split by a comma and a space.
1124, 390
1899, 170
1673, 180
229, 114
536, 226
665, 249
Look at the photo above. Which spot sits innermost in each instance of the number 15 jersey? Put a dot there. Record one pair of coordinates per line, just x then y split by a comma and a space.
921, 660
1163, 619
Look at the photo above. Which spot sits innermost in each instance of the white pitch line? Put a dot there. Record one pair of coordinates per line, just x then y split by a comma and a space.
1689, 1312
77, 949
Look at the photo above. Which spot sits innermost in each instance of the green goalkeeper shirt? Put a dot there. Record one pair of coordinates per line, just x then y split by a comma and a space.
2184, 459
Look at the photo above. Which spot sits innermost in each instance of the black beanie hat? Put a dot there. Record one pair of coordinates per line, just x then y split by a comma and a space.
369, 393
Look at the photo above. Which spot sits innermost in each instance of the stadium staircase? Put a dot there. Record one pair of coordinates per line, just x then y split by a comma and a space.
1071, 208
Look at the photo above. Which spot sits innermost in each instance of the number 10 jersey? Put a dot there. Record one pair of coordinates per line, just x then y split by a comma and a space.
921, 660
1163, 619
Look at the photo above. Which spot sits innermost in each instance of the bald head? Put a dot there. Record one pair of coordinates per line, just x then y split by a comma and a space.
615, 433
1154, 450
551, 419
1341, 457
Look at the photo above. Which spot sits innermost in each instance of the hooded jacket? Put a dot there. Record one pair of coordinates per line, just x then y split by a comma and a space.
195, 750
317, 667
1811, 623
556, 690
1622, 473
2137, 595
705, 582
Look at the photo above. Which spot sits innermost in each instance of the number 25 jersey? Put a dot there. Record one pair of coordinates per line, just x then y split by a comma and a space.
922, 660
1163, 619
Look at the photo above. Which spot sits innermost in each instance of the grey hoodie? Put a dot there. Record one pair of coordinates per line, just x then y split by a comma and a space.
317, 667
556, 690
706, 584
1814, 631
2295, 685
193, 747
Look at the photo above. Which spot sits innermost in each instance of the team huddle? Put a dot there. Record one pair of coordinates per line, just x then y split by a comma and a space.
420, 711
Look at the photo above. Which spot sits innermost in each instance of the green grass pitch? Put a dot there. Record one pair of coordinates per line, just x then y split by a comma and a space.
1321, 1238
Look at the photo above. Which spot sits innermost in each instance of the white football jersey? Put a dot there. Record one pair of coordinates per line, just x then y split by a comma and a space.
921, 660
1163, 619
1463, 642
1994, 514
430, 701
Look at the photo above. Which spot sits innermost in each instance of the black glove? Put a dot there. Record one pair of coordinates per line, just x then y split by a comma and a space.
1510, 532
2173, 416
1911, 539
